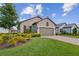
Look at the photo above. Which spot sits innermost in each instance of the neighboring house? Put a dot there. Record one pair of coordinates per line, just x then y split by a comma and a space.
69, 28
59, 27
63, 27
3, 30
14, 30
39, 25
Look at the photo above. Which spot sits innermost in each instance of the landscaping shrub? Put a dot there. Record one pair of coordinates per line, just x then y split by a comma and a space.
29, 36
74, 31
20, 34
64, 32
4, 38
35, 34
20, 39
15, 39
12, 42
1, 40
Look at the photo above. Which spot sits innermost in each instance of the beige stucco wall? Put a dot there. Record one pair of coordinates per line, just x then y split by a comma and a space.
28, 23
43, 24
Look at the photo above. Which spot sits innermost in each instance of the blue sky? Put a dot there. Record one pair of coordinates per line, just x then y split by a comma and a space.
58, 12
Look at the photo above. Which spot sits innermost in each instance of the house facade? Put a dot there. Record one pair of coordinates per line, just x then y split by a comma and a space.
66, 28
59, 27
43, 26
69, 28
3, 30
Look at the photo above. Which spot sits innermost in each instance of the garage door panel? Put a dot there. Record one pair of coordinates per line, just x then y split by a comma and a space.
46, 31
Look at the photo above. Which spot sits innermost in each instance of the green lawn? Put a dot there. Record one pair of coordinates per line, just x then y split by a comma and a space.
73, 36
42, 47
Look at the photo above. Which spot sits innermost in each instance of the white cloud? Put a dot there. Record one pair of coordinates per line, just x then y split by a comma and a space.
64, 14
39, 9
67, 7
33, 11
21, 19
28, 10
53, 14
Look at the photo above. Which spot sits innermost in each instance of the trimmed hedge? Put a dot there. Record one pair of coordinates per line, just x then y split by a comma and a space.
35, 34
26, 35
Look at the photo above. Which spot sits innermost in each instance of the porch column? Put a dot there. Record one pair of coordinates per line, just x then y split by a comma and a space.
54, 31
38, 30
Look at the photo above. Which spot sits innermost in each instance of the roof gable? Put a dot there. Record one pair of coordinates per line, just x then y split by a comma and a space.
70, 25
60, 24
49, 20
31, 19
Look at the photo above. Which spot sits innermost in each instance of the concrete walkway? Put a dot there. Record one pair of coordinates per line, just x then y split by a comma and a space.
63, 38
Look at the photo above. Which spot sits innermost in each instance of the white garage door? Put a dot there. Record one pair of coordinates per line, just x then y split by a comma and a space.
46, 31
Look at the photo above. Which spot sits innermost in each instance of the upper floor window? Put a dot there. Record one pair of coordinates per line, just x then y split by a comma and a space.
47, 24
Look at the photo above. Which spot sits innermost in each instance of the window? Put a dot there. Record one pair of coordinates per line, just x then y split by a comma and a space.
30, 28
47, 24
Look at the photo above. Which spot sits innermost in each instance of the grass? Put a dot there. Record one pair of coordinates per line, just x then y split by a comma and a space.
42, 47
73, 36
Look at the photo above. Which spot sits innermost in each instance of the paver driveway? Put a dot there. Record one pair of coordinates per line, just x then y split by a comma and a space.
65, 39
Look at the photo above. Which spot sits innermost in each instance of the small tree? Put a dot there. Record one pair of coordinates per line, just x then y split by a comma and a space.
8, 16
74, 30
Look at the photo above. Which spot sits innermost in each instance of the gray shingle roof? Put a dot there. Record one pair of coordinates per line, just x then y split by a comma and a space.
70, 25
38, 21
59, 25
31, 18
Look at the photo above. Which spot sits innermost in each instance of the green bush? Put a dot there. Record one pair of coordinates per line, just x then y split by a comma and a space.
35, 34
21, 34
15, 38
12, 42
7, 36
64, 32
74, 31
1, 40
4, 36
20, 39
29, 36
